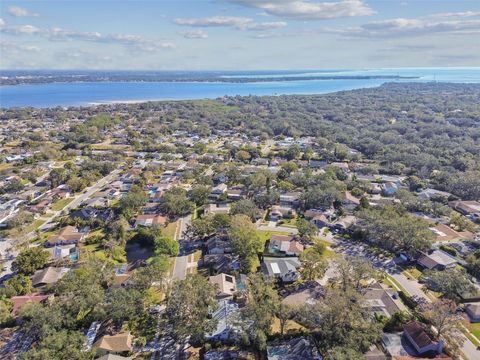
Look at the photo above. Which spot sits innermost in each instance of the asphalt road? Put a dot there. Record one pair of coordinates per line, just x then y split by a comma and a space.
271, 227
181, 261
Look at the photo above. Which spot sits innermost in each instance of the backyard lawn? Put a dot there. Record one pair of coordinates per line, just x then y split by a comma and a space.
328, 252
289, 326
60, 204
34, 225
265, 235
170, 230
118, 256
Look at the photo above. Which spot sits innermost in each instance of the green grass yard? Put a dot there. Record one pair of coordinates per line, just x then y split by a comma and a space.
329, 254
412, 272
170, 230
34, 225
388, 280
265, 235
60, 204
475, 330
118, 257
288, 222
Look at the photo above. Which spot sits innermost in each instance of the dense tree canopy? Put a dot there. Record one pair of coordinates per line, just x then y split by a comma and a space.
190, 302
30, 260
395, 230
246, 242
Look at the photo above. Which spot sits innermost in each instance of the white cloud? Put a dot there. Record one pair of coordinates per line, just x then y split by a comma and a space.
15, 47
456, 14
308, 9
19, 29
214, 21
59, 34
451, 23
75, 55
240, 23
267, 25
18, 11
194, 34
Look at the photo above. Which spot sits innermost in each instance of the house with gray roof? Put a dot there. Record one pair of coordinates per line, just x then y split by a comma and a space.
285, 269
473, 311
294, 349
383, 301
437, 260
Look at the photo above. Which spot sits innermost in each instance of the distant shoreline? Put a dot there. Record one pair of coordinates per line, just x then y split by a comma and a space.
114, 102
201, 85
34, 80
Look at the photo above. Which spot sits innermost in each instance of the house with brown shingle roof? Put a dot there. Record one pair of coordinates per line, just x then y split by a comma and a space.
115, 344
284, 245
48, 276
19, 301
446, 233
149, 220
114, 357
416, 333
66, 236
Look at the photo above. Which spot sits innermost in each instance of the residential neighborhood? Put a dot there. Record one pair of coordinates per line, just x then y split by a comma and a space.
136, 238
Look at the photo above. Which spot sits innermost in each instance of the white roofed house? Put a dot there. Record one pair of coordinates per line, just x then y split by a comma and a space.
64, 252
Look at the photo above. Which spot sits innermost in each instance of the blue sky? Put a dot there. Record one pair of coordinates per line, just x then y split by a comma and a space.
238, 34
